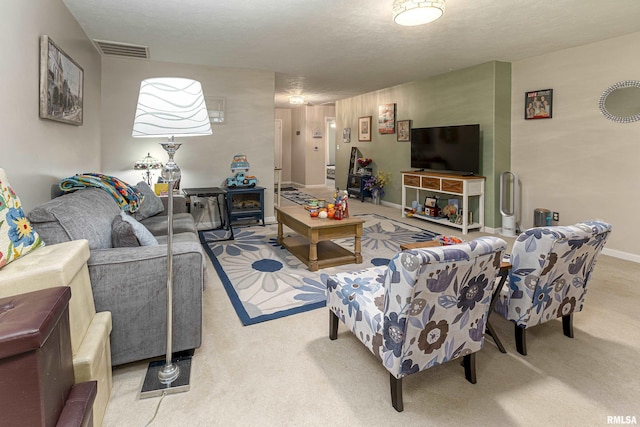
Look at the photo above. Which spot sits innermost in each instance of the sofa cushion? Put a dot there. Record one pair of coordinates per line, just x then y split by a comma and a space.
83, 214
151, 204
143, 235
122, 234
182, 223
17, 236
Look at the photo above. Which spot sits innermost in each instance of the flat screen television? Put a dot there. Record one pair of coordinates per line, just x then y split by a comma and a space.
452, 149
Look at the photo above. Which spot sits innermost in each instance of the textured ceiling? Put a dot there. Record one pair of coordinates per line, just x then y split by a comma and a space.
334, 49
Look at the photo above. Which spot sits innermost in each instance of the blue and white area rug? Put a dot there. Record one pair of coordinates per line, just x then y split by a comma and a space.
265, 282
297, 197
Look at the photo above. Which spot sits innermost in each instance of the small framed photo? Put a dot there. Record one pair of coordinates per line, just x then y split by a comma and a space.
61, 84
387, 119
364, 128
538, 104
430, 202
404, 130
346, 135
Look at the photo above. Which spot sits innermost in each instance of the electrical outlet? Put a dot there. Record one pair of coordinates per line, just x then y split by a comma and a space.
556, 216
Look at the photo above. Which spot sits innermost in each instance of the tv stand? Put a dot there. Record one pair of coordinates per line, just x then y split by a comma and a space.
446, 172
420, 184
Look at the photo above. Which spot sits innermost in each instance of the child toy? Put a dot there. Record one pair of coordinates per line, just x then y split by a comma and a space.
240, 166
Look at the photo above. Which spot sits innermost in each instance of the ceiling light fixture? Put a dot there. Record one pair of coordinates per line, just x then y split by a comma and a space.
417, 12
296, 99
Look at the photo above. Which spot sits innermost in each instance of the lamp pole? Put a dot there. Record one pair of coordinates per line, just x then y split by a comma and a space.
170, 173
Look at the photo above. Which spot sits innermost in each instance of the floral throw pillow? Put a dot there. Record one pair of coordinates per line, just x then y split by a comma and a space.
17, 236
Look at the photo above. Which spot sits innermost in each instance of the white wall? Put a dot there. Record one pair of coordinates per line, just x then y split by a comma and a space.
37, 153
204, 161
578, 163
284, 114
298, 145
315, 148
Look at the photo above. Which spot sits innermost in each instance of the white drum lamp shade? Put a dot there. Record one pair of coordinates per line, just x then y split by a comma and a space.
171, 106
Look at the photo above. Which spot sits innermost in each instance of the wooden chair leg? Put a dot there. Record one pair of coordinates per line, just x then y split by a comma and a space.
333, 325
567, 325
396, 393
469, 362
521, 340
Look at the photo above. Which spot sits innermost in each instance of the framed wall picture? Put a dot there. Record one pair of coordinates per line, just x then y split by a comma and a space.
364, 128
538, 104
61, 84
404, 131
387, 119
216, 106
346, 135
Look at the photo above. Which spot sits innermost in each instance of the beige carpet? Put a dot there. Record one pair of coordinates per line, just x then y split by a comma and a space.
287, 372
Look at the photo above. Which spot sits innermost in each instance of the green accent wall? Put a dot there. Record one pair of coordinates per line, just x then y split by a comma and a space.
479, 94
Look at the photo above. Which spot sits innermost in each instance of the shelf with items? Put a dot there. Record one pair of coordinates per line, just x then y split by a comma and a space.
355, 185
441, 220
468, 190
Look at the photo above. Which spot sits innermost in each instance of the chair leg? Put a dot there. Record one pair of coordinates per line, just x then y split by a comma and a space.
396, 393
333, 325
469, 362
567, 325
521, 340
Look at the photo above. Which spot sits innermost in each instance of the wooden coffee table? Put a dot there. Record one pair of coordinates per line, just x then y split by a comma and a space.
313, 245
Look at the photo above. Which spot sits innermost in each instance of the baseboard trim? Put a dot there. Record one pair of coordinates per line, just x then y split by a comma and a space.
621, 255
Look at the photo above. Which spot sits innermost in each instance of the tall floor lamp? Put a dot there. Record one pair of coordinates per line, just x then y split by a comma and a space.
169, 106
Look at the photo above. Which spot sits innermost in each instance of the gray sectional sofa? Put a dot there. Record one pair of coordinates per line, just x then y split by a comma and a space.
130, 282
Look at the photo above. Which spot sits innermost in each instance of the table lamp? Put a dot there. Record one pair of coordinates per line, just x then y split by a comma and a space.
169, 107
147, 164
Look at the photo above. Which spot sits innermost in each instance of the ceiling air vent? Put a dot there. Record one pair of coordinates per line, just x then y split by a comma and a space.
122, 49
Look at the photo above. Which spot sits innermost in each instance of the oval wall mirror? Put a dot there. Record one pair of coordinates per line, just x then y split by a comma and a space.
620, 102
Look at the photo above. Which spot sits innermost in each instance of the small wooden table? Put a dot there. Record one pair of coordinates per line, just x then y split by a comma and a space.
313, 245
418, 245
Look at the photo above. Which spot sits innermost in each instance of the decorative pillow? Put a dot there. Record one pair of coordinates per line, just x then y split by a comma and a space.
122, 235
143, 235
17, 236
151, 204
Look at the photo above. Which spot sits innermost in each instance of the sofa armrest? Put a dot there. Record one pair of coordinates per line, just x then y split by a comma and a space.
179, 204
132, 284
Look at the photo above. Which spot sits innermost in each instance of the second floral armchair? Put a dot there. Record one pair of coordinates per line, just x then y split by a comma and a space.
427, 307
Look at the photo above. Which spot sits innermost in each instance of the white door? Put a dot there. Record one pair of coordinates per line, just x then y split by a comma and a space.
277, 144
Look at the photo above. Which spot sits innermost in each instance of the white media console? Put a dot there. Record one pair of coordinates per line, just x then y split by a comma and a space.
418, 185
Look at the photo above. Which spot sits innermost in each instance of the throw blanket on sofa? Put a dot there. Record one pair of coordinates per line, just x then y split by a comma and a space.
127, 197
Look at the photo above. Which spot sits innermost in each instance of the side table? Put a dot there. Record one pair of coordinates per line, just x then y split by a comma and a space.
355, 186
213, 193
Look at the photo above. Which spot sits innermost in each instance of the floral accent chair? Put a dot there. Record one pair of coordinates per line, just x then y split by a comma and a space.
551, 267
427, 307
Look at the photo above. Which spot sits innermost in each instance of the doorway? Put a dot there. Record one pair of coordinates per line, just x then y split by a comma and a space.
330, 152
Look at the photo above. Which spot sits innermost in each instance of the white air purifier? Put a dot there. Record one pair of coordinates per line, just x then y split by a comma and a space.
509, 199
